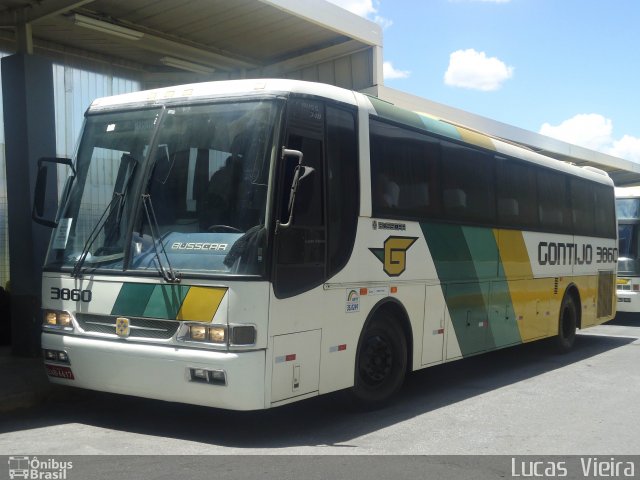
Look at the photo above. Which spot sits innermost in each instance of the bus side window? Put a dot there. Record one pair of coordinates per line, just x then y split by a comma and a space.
516, 193
555, 215
605, 223
343, 192
468, 184
405, 180
300, 250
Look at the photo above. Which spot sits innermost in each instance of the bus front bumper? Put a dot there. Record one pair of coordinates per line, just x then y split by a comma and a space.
160, 372
628, 301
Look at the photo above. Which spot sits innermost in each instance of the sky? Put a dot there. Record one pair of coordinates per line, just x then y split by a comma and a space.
569, 69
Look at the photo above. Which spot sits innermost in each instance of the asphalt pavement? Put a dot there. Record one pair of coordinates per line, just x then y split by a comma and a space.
24, 383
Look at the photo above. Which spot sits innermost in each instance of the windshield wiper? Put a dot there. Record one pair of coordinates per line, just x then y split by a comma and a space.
114, 208
117, 197
168, 273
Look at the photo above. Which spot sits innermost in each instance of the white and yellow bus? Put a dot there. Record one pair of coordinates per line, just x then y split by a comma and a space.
628, 212
251, 243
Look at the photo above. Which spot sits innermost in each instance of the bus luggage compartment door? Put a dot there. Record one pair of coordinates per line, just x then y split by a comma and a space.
296, 365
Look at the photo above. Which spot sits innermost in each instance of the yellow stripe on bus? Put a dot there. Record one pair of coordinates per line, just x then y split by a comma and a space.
201, 304
532, 313
475, 138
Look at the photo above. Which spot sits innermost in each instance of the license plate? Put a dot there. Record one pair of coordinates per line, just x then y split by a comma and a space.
59, 371
624, 300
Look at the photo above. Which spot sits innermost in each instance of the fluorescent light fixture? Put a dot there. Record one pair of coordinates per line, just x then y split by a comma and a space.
106, 27
185, 65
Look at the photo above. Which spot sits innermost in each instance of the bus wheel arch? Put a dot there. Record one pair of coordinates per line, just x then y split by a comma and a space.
569, 319
384, 354
572, 290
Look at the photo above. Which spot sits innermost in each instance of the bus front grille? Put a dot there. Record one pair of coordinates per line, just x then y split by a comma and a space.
138, 327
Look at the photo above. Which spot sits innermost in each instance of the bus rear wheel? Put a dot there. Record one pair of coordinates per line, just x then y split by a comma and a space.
381, 362
567, 324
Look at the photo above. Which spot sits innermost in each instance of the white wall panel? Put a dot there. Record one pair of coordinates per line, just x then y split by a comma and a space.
74, 90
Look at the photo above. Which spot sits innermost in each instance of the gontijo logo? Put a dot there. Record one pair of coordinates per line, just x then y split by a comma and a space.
394, 254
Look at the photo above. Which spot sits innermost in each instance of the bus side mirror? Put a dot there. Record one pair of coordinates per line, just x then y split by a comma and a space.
301, 172
43, 212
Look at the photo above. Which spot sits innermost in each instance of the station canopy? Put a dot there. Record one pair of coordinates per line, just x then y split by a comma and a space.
168, 42
218, 38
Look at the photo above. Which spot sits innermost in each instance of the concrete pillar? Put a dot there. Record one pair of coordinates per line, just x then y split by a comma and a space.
29, 123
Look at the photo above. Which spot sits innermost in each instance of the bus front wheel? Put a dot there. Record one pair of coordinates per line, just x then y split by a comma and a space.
381, 362
567, 324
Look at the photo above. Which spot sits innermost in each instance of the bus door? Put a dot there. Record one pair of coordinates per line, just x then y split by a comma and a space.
314, 249
299, 265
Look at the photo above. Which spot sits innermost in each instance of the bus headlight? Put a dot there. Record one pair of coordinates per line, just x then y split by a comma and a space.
207, 333
64, 319
197, 333
50, 318
233, 335
57, 320
217, 334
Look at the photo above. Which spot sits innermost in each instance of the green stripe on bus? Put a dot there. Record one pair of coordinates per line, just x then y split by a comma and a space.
486, 258
400, 115
390, 112
468, 264
468, 311
439, 128
147, 300
483, 250
465, 301
502, 317
132, 299
166, 300
451, 255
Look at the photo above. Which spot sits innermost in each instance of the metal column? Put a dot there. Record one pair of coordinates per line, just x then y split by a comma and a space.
29, 120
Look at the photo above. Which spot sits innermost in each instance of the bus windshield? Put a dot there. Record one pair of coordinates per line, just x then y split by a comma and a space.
627, 240
628, 213
628, 208
184, 188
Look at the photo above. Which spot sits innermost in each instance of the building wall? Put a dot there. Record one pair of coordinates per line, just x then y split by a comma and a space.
74, 89
75, 86
352, 71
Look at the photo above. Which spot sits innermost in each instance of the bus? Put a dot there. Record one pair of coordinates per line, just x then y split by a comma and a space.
628, 283
247, 244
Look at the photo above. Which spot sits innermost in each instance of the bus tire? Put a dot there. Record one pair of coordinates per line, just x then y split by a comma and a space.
381, 362
567, 324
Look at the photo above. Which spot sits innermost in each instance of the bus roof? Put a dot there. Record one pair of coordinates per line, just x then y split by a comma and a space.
427, 122
205, 90
380, 108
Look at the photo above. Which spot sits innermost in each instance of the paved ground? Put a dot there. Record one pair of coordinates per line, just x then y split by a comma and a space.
523, 400
24, 383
